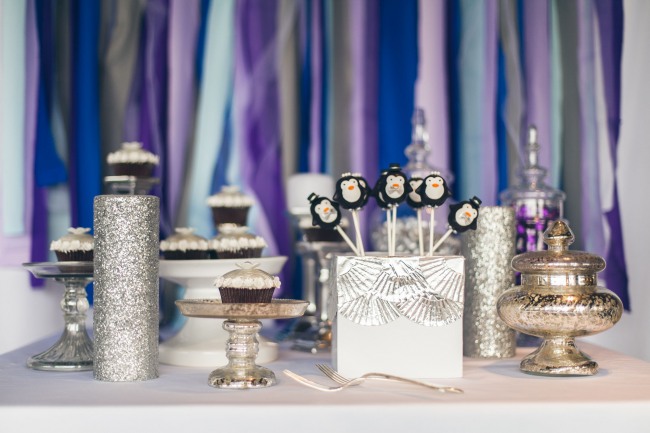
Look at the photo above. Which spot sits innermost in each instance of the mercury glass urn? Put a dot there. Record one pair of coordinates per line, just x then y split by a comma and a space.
558, 300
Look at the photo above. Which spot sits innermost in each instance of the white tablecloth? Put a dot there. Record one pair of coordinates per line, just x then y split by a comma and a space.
498, 398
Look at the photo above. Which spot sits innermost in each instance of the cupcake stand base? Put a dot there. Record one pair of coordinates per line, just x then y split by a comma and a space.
74, 349
242, 323
201, 342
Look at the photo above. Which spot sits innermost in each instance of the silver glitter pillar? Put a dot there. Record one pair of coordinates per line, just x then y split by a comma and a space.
488, 252
126, 287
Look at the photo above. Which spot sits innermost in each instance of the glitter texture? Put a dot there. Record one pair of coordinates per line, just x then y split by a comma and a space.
488, 252
126, 287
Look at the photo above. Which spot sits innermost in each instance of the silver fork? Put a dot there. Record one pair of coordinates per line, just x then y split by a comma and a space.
336, 377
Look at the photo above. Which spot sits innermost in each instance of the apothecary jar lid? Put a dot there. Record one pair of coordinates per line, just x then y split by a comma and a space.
558, 259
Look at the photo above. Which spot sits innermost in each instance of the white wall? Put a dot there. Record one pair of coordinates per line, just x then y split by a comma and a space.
26, 314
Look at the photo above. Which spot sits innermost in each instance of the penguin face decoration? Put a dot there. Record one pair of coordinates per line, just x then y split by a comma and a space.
434, 190
413, 199
463, 216
351, 191
325, 213
395, 186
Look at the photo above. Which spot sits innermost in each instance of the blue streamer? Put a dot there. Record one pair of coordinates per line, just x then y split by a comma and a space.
398, 61
85, 109
305, 93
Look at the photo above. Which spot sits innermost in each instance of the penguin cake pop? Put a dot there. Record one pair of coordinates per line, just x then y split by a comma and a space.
463, 216
413, 198
325, 212
351, 191
434, 190
392, 186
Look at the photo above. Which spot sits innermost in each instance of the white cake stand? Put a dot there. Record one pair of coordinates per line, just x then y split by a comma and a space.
201, 342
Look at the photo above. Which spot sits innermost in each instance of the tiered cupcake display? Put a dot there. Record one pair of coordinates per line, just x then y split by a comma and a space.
194, 261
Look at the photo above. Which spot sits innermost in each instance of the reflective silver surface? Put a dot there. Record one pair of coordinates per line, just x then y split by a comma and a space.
242, 324
74, 349
559, 312
375, 290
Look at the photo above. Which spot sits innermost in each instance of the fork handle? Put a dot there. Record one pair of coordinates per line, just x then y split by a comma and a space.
412, 381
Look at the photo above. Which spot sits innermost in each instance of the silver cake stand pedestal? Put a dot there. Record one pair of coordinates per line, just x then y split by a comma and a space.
200, 343
74, 350
130, 185
243, 324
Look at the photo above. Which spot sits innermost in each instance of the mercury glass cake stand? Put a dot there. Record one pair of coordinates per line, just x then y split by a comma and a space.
242, 323
200, 343
130, 185
74, 350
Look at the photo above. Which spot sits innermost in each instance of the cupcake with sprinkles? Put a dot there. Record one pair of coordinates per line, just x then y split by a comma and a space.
76, 246
185, 245
247, 285
132, 160
235, 242
230, 206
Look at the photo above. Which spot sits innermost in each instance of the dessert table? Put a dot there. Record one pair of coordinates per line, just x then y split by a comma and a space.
497, 398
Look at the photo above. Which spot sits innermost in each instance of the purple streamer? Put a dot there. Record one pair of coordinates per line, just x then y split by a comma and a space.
537, 72
610, 20
257, 84
184, 22
364, 142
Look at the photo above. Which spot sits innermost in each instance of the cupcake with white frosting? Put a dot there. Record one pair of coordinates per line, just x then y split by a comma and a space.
247, 285
230, 206
76, 246
185, 245
234, 242
132, 160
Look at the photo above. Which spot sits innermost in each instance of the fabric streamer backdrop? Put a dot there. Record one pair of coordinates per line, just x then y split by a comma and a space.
248, 93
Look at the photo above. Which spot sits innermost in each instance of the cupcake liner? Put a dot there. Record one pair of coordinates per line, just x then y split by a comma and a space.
251, 253
230, 215
232, 295
186, 255
74, 256
130, 169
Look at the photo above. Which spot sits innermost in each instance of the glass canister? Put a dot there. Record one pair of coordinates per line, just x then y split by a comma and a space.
536, 204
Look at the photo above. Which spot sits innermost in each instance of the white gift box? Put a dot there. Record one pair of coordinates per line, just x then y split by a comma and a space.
398, 315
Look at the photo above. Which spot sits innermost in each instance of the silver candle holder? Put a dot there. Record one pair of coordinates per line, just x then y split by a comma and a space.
243, 324
74, 349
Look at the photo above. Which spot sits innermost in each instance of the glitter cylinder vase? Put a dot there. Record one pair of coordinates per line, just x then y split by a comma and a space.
488, 252
126, 287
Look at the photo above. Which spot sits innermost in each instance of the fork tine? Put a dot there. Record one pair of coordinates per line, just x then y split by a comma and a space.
314, 385
332, 374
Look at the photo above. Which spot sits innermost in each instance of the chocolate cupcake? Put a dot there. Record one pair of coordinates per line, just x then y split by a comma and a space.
234, 242
184, 245
132, 160
76, 246
247, 285
313, 233
230, 206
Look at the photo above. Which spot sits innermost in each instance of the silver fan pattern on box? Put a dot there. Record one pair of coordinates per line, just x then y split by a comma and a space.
374, 291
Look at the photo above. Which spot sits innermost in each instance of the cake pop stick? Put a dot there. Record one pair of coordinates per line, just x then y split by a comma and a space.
434, 192
463, 216
325, 214
352, 193
420, 236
